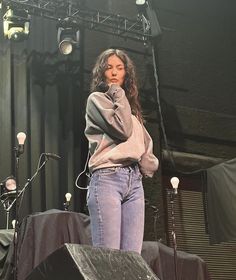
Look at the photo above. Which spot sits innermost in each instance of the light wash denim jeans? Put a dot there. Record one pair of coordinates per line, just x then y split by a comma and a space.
116, 207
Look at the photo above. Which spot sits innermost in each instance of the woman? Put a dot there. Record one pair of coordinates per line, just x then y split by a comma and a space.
121, 153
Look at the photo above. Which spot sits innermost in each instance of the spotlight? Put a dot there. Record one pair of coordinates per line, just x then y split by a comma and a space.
67, 38
148, 15
154, 24
140, 2
16, 24
141, 6
8, 185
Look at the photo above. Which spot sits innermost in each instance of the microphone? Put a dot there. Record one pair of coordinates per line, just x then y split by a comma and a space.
53, 156
175, 183
21, 136
103, 87
67, 203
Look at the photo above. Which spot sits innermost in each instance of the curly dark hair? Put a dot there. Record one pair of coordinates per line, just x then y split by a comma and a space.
130, 81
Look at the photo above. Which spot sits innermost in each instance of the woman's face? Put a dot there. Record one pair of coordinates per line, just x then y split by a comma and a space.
115, 73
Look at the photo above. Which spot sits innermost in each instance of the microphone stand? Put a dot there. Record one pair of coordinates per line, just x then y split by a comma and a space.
66, 206
15, 238
172, 197
16, 200
7, 208
29, 181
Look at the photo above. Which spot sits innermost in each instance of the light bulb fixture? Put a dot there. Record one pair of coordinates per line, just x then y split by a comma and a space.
68, 38
67, 203
16, 24
175, 183
21, 136
68, 197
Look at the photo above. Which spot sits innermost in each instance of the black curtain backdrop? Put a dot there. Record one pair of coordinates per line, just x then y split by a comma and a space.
41, 94
221, 197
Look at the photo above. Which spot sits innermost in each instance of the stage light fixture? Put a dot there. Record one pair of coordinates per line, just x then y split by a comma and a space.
148, 15
68, 38
8, 185
141, 6
140, 2
16, 24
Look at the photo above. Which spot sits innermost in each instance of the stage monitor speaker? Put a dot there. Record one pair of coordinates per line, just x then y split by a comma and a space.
80, 262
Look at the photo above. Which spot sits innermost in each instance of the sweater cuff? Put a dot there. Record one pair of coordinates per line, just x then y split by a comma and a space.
115, 92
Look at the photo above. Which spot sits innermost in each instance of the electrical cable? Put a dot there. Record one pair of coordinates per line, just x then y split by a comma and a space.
82, 172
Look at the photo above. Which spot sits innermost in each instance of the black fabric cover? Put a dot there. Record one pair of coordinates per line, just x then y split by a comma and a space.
6, 238
221, 202
161, 259
79, 262
41, 234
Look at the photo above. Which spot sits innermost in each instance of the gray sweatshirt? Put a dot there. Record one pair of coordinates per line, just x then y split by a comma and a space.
116, 137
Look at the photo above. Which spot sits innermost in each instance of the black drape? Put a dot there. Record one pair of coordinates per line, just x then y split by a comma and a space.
41, 94
221, 194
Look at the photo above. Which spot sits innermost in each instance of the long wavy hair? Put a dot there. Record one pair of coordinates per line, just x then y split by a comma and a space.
130, 80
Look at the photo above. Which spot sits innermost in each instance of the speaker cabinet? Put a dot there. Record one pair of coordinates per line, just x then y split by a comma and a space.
80, 262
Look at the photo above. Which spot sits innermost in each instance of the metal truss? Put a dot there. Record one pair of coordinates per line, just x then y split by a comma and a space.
74, 13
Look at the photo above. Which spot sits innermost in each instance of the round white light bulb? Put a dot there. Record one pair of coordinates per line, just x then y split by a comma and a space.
21, 136
68, 196
175, 183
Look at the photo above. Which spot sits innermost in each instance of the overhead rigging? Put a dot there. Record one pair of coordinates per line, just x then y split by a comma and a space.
76, 14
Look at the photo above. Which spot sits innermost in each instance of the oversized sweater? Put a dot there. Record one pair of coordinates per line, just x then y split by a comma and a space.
116, 137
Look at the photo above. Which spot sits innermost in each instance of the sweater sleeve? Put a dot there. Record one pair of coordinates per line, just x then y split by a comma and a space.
111, 112
148, 163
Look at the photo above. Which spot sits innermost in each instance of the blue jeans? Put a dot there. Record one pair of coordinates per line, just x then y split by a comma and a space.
116, 207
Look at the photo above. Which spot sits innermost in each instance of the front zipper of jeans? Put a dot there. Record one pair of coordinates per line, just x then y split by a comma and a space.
129, 182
